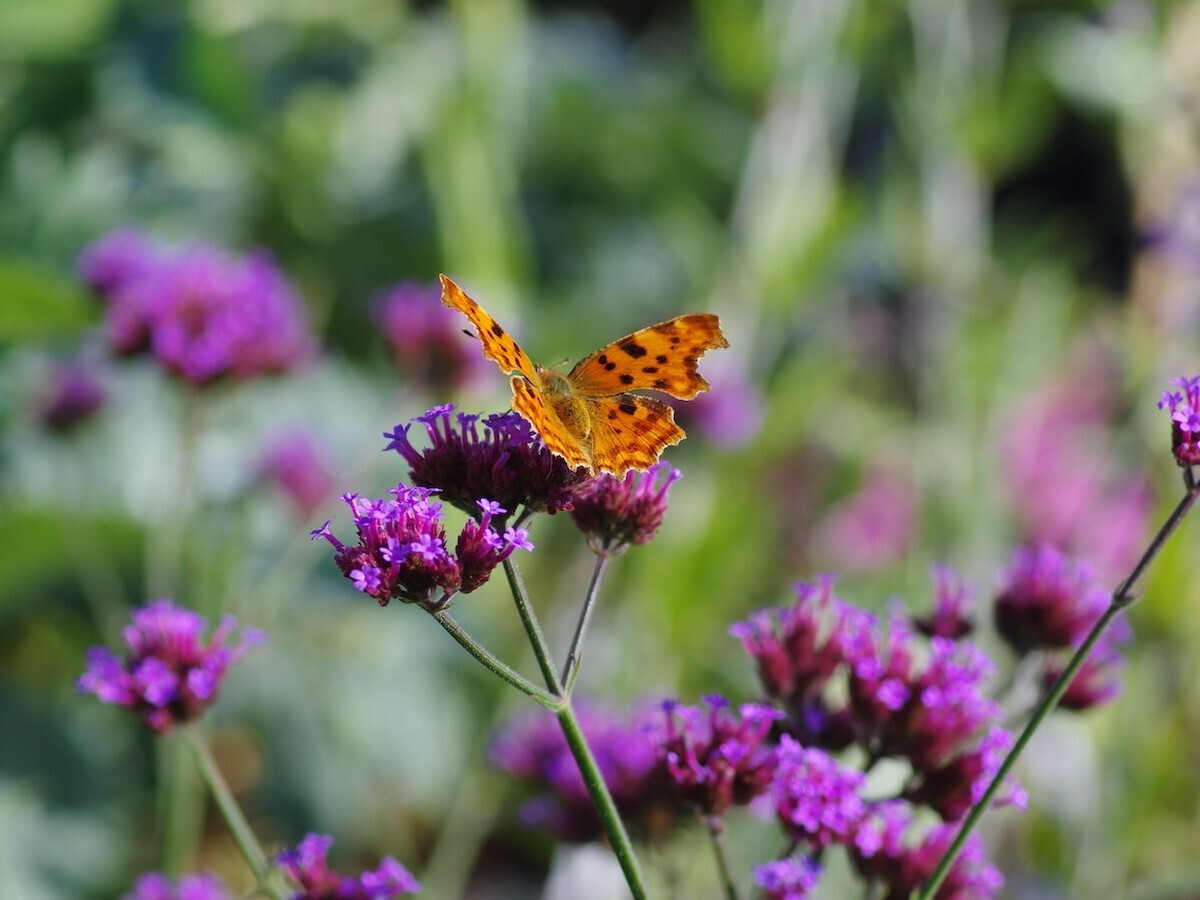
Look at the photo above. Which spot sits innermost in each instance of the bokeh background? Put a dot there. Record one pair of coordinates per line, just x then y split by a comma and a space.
956, 249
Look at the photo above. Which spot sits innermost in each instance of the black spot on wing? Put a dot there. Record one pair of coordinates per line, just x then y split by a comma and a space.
660, 384
628, 407
497, 330
649, 370
626, 378
633, 349
661, 359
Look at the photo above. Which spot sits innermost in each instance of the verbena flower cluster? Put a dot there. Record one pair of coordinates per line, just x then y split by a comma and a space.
616, 512
155, 886
69, 396
402, 552
426, 338
170, 674
306, 865
200, 312
1184, 408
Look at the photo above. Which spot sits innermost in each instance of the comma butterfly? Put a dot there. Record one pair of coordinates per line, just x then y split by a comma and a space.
586, 416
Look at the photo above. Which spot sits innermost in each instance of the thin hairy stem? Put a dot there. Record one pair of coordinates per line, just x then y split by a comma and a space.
1121, 598
571, 668
716, 832
493, 664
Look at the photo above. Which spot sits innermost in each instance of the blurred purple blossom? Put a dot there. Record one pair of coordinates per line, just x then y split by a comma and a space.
817, 800
170, 674
871, 528
402, 553
1184, 408
69, 395
1047, 600
426, 338
730, 414
1098, 679
950, 617
499, 457
201, 312
616, 512
295, 461
306, 865
794, 878
153, 886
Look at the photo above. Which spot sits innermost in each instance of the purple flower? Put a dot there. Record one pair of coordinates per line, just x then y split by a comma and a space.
950, 617
402, 554
200, 312
1047, 600
794, 878
499, 457
731, 414
307, 866
532, 749
426, 338
70, 395
871, 528
295, 461
714, 759
153, 886
616, 512
170, 674
884, 850
951, 787
817, 800
1097, 679
1184, 407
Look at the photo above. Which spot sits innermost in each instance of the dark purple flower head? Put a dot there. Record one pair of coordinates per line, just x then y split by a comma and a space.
617, 512
885, 850
170, 673
500, 458
153, 886
713, 759
794, 878
426, 338
70, 395
295, 461
1096, 681
950, 788
402, 553
881, 667
307, 866
951, 616
817, 800
797, 648
1047, 600
532, 749
1184, 407
200, 312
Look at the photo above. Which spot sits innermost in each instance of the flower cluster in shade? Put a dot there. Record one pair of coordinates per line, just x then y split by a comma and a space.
307, 866
497, 457
155, 886
170, 673
1183, 406
426, 338
402, 553
616, 512
70, 395
295, 461
201, 312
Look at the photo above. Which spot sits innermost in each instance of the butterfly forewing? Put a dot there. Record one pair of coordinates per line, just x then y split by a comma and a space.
529, 403
663, 357
498, 345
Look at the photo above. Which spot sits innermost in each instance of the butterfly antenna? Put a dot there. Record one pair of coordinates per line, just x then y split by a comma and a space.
471, 334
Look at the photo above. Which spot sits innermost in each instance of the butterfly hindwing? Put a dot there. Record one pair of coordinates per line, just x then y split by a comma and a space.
630, 432
663, 357
528, 401
498, 345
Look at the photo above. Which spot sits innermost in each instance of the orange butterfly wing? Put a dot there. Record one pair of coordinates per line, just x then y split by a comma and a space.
498, 345
530, 403
663, 357
630, 432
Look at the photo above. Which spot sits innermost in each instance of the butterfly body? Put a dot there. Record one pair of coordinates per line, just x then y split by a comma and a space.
587, 416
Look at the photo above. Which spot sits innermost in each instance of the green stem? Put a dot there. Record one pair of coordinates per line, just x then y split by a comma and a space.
716, 831
529, 621
489, 661
605, 807
1122, 597
571, 669
242, 833
180, 807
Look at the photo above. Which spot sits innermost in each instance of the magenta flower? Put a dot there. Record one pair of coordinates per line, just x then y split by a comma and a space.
170, 673
70, 395
884, 850
532, 749
307, 866
731, 414
402, 553
1047, 600
1184, 407
153, 886
871, 528
1097, 679
200, 312
951, 617
426, 338
817, 800
794, 878
616, 512
295, 461
714, 759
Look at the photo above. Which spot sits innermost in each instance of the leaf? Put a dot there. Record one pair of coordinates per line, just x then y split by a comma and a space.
39, 303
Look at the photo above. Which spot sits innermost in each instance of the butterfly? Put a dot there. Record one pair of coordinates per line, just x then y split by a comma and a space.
586, 416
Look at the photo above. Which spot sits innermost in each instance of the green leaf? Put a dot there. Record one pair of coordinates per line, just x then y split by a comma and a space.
39, 303
52, 28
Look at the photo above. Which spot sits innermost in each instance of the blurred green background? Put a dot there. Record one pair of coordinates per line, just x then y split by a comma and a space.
926, 227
